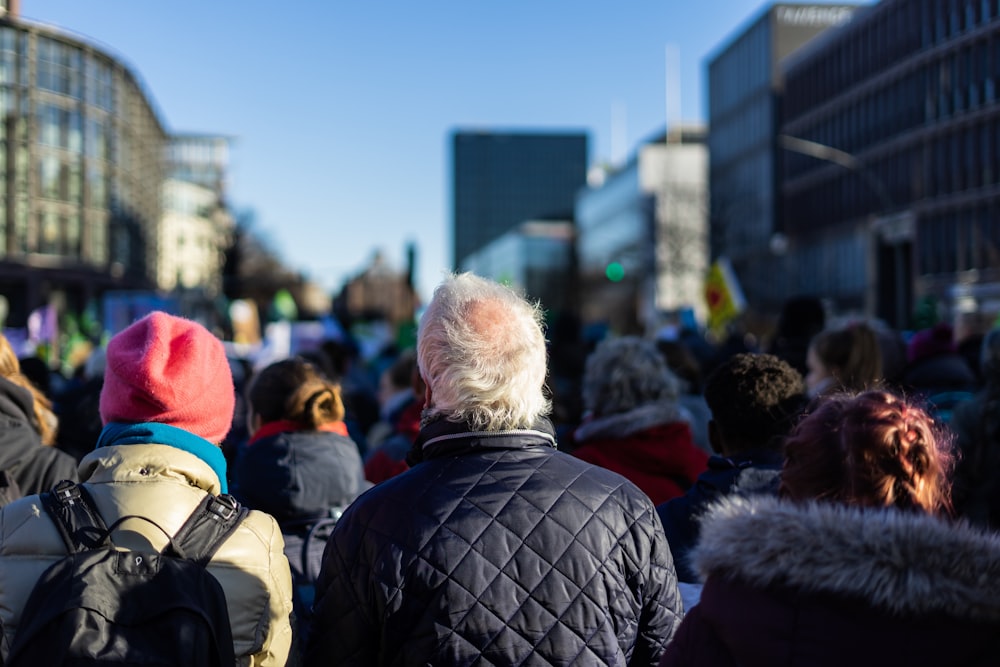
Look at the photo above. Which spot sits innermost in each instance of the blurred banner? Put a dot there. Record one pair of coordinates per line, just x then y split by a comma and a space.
723, 295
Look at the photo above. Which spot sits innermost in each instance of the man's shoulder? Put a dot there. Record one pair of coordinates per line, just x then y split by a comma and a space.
555, 469
585, 473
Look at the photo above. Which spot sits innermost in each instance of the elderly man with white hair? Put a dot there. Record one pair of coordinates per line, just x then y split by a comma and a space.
494, 548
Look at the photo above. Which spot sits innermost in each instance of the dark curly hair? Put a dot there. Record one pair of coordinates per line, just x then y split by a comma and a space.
755, 400
873, 449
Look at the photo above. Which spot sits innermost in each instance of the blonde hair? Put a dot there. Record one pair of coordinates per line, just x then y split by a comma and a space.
45, 422
852, 355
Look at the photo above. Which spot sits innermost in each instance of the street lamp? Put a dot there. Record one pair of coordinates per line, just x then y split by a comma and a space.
837, 156
893, 228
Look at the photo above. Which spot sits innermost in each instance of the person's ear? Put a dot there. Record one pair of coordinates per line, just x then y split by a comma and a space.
253, 421
715, 438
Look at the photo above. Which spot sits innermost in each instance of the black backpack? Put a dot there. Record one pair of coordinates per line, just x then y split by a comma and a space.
99, 605
305, 543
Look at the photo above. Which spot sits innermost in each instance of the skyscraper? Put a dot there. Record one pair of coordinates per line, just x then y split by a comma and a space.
501, 179
744, 101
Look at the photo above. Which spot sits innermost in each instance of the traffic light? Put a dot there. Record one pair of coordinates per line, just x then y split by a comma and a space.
614, 272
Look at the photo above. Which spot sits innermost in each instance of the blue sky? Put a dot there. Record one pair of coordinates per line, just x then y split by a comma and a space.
342, 110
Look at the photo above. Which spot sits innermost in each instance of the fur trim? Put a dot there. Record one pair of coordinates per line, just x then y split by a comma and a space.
625, 424
910, 564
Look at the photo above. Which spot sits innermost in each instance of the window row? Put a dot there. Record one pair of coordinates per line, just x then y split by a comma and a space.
963, 159
958, 241
963, 80
64, 69
61, 180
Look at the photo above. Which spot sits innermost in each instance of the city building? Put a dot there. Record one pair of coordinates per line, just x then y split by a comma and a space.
744, 92
642, 236
897, 200
536, 258
81, 169
502, 179
380, 293
197, 226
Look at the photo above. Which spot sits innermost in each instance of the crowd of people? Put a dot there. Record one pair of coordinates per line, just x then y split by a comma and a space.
490, 498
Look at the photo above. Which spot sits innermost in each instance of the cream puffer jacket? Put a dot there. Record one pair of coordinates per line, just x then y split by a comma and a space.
164, 484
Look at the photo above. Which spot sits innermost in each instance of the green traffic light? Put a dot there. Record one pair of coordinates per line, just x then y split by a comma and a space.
615, 272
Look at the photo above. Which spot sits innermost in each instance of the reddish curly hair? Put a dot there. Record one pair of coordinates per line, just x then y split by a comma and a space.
874, 449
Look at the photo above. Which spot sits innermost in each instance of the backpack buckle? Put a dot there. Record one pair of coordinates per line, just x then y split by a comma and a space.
66, 492
224, 506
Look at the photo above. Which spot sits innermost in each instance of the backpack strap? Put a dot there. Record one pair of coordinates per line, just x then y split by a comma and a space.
77, 520
319, 530
207, 528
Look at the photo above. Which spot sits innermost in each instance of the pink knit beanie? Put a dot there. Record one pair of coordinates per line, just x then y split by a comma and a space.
169, 370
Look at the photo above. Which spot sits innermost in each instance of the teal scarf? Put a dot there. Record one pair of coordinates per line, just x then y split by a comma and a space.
147, 433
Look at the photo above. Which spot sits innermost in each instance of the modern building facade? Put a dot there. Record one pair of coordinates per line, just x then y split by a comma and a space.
81, 169
642, 236
502, 179
744, 91
197, 226
910, 92
536, 258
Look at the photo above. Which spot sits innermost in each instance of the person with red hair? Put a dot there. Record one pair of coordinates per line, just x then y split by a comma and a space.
857, 561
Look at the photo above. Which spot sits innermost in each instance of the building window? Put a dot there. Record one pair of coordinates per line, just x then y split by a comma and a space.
73, 233
58, 67
49, 235
48, 177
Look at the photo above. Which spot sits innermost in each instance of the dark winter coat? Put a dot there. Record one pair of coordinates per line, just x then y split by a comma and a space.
496, 549
937, 374
34, 467
299, 475
651, 446
750, 472
976, 490
827, 584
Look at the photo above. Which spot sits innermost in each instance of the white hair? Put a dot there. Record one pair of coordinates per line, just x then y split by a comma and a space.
481, 350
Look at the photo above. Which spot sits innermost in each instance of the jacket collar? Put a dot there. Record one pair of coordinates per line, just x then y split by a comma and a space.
905, 563
442, 438
287, 426
143, 433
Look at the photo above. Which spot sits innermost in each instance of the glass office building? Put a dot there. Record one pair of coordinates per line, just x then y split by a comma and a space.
502, 179
536, 258
744, 93
81, 159
910, 90
642, 236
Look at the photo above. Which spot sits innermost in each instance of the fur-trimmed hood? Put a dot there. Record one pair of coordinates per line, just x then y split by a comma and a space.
623, 424
904, 563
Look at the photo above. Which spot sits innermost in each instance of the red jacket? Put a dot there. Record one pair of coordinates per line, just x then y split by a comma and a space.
661, 460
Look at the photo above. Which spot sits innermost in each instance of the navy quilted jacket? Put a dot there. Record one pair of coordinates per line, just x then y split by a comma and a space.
496, 549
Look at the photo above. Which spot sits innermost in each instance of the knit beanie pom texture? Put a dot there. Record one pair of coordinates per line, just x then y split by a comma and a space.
169, 370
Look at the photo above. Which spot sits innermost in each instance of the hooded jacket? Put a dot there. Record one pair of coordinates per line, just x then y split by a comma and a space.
651, 446
744, 473
299, 475
34, 467
495, 549
828, 584
165, 484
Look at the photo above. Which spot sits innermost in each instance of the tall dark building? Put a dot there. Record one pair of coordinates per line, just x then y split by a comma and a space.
501, 179
909, 94
744, 94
